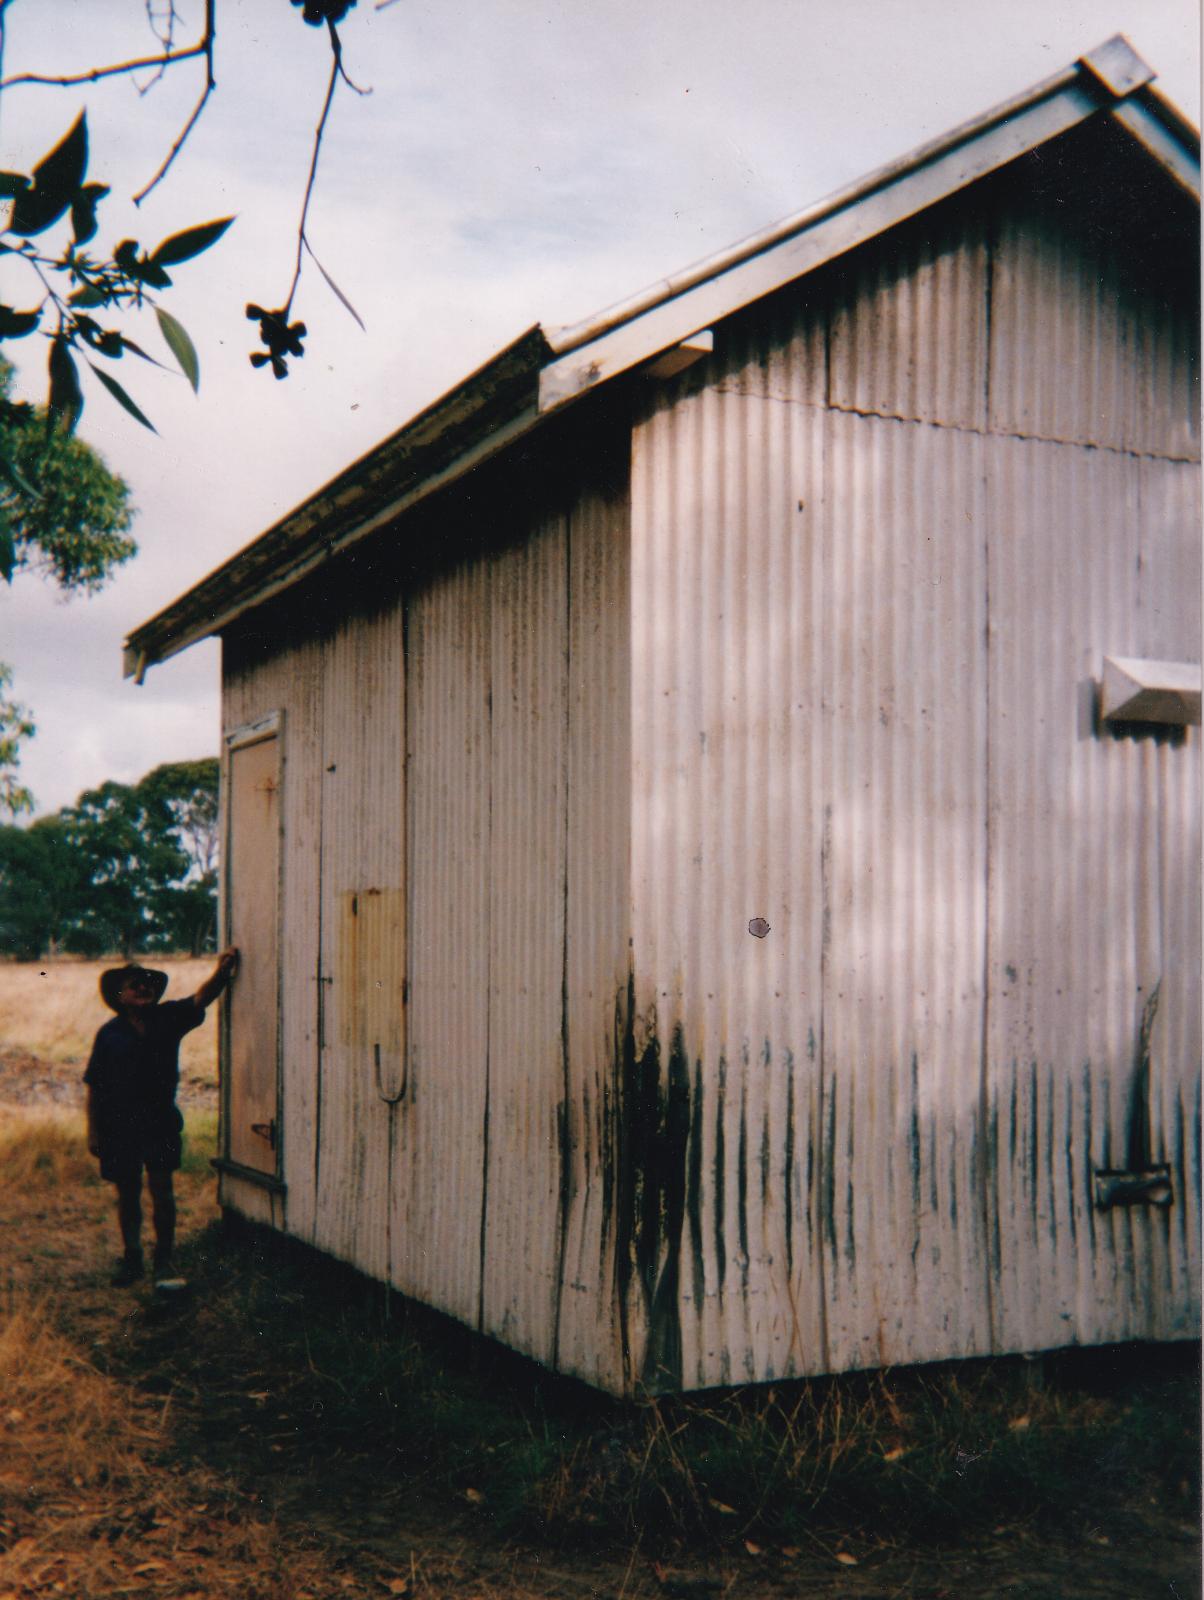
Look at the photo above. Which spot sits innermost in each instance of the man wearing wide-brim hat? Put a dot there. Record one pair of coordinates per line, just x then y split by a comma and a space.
133, 1121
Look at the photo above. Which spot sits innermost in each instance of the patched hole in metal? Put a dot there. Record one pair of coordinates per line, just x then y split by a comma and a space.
758, 927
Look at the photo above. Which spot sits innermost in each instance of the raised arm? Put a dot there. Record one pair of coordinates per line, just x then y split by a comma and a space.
227, 966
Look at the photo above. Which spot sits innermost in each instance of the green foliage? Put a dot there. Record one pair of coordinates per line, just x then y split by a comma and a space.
15, 727
186, 793
41, 885
62, 514
127, 868
70, 521
130, 858
72, 282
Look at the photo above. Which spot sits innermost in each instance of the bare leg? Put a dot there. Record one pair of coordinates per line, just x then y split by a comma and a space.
129, 1216
129, 1213
163, 1214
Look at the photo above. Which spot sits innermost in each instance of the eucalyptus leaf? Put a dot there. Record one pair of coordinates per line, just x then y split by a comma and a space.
87, 297
137, 350
16, 324
66, 401
56, 181
122, 398
191, 242
12, 184
8, 552
83, 211
335, 290
181, 346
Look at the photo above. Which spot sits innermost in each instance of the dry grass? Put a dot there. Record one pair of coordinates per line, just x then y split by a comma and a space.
52, 1009
86, 1508
287, 1435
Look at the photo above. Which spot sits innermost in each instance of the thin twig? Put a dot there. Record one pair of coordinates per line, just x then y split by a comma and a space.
169, 59
166, 37
302, 243
209, 38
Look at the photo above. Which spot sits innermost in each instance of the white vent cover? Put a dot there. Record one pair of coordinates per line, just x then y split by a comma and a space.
1150, 691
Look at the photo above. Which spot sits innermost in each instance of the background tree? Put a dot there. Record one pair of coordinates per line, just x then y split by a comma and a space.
128, 868
69, 521
130, 859
42, 885
15, 727
187, 791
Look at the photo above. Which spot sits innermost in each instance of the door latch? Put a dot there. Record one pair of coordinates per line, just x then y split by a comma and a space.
266, 1131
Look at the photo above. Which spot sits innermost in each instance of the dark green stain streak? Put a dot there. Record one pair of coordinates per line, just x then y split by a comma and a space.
651, 1191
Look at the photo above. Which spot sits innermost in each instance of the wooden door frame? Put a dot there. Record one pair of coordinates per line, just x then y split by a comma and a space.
270, 726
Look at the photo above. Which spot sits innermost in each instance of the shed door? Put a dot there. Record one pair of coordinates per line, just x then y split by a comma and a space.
253, 841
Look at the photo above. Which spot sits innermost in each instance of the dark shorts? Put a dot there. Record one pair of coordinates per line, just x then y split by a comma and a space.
156, 1149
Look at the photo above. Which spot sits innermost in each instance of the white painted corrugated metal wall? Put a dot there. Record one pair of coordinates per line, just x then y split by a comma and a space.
362, 860
429, 746
866, 621
525, 866
437, 1249
835, 673
518, 760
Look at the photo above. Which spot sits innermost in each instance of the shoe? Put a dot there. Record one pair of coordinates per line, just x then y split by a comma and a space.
129, 1270
161, 1267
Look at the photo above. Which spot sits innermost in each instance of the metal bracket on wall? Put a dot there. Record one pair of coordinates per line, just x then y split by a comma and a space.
1152, 1187
1143, 1181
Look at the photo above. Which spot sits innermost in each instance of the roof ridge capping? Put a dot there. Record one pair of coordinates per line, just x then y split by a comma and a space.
1113, 77
548, 368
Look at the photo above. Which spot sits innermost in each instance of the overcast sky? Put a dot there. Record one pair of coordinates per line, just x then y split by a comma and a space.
517, 161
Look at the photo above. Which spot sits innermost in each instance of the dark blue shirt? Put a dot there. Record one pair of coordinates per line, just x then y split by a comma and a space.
133, 1076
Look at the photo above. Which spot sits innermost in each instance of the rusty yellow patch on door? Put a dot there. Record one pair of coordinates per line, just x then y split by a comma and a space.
370, 981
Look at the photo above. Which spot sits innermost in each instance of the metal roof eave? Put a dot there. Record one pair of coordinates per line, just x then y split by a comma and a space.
1111, 80
543, 371
470, 423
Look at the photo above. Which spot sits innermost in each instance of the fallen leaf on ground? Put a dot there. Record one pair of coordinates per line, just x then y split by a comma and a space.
845, 1559
474, 1497
753, 1549
724, 1511
1018, 1423
893, 1455
396, 1585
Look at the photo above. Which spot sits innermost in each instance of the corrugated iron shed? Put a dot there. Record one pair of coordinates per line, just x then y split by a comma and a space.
720, 938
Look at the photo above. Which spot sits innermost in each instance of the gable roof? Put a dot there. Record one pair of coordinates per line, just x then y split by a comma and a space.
546, 370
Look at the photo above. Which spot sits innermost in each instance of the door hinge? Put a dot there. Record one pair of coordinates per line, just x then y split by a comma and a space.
266, 1131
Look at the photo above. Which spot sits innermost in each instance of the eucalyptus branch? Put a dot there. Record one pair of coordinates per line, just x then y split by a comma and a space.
210, 85
336, 69
93, 75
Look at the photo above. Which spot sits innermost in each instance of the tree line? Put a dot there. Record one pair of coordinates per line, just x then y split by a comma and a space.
128, 869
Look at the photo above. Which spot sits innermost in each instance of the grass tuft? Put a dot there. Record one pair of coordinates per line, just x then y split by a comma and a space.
44, 1149
882, 1456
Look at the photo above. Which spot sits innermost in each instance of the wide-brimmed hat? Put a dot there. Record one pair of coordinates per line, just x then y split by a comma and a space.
115, 979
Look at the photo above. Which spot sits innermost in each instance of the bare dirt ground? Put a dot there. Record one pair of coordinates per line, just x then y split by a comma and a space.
181, 1451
